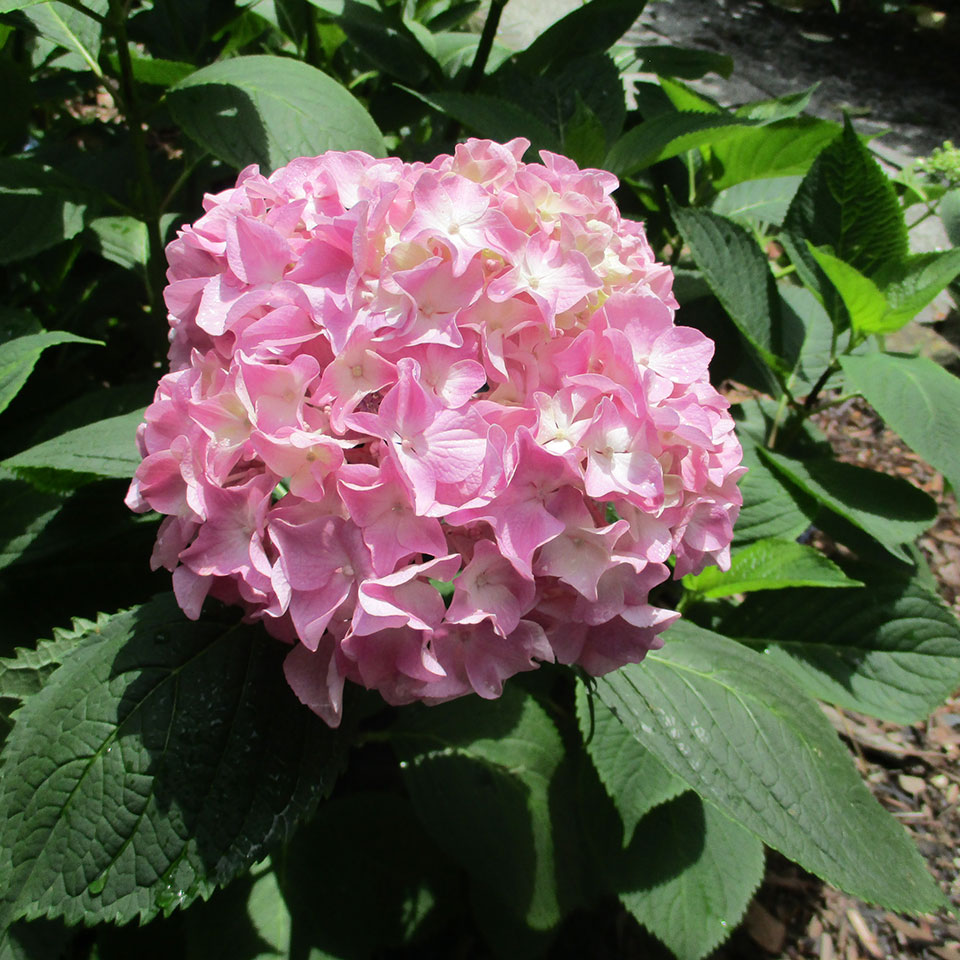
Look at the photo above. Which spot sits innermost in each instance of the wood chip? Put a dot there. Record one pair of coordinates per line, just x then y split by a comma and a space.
946, 952
826, 947
912, 785
864, 934
765, 929
917, 933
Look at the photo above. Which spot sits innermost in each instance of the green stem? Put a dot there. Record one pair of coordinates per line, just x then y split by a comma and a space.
778, 416
182, 178
150, 207
818, 386
490, 26
779, 272
836, 401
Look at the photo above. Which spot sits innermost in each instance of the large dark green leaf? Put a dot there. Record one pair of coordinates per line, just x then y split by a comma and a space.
25, 513
738, 273
847, 203
106, 448
75, 31
479, 774
757, 201
19, 356
364, 841
391, 45
270, 110
750, 741
772, 505
785, 148
492, 117
635, 780
38, 206
819, 341
896, 657
687, 63
694, 872
668, 135
917, 398
160, 760
891, 510
593, 28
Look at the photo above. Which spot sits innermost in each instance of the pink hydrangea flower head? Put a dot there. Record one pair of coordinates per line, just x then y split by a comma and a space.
432, 424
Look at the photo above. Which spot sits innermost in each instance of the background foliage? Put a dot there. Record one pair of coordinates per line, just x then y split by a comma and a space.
148, 761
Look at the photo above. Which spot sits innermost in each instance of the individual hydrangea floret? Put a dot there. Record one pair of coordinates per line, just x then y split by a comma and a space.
432, 423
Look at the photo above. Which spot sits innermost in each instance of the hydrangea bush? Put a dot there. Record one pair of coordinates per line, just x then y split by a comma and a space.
391, 377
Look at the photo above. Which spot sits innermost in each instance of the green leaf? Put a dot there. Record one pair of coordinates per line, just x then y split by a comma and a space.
863, 299
179, 744
635, 780
910, 285
8, 6
778, 108
847, 203
900, 292
455, 15
750, 741
782, 149
491, 117
668, 135
364, 841
738, 273
891, 510
584, 139
38, 207
36, 941
757, 201
397, 47
270, 110
772, 506
249, 920
123, 240
918, 399
770, 564
159, 73
24, 514
455, 52
69, 28
592, 28
479, 775
19, 356
896, 657
950, 215
106, 448
685, 98
697, 871
817, 351
687, 63
269, 914
24, 673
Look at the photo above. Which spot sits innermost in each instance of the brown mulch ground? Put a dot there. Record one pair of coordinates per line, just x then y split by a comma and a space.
913, 771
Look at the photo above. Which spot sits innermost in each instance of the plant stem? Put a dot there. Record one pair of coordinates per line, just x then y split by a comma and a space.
485, 46
150, 209
818, 386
